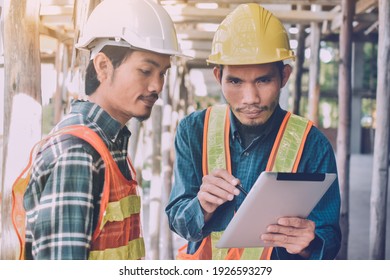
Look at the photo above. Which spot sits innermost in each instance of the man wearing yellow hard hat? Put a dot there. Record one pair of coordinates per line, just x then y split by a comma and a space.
229, 145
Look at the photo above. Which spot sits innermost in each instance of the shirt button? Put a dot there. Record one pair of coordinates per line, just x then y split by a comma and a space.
246, 154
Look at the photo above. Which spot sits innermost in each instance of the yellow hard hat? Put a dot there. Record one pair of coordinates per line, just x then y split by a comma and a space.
250, 35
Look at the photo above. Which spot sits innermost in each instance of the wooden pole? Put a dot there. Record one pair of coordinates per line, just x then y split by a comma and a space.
156, 183
299, 69
166, 239
22, 100
81, 12
344, 122
380, 172
61, 65
314, 69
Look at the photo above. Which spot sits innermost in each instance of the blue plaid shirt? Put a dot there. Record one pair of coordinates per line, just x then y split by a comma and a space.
63, 196
184, 211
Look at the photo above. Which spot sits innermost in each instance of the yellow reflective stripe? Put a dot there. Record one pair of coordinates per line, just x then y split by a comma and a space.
252, 253
221, 253
122, 209
215, 138
134, 250
217, 253
290, 143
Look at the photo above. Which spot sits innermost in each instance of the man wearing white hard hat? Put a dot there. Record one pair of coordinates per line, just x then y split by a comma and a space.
82, 200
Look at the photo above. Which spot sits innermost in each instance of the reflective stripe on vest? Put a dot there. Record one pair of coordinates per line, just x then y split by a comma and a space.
124, 208
285, 156
134, 250
287, 150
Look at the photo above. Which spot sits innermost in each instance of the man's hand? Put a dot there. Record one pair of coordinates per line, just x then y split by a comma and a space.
292, 233
217, 188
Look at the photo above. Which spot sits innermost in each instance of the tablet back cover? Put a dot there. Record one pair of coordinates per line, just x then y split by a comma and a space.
273, 195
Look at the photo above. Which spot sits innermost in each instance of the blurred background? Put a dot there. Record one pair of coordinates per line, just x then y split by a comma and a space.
338, 82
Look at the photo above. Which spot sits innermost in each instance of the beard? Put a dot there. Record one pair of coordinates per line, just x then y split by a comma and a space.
265, 111
255, 107
143, 118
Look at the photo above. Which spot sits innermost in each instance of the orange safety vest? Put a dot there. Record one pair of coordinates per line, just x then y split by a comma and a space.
118, 232
285, 156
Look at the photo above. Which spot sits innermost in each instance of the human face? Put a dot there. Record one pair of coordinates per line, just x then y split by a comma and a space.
252, 91
131, 89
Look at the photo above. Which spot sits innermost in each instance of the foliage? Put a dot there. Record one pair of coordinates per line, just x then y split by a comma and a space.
370, 66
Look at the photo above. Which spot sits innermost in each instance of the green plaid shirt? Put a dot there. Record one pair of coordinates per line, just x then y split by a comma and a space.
63, 196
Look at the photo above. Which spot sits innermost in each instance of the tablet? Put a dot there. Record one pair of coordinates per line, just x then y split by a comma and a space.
273, 195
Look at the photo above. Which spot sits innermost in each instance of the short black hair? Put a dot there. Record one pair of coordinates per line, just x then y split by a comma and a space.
117, 56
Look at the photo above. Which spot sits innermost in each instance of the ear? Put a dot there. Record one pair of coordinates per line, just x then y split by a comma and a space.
217, 74
102, 65
287, 70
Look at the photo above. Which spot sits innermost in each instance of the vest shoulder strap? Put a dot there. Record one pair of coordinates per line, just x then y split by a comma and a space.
216, 152
287, 150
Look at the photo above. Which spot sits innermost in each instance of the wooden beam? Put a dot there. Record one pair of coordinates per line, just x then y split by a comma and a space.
198, 63
64, 37
332, 93
193, 14
57, 20
190, 11
198, 54
337, 20
57, 2
303, 16
292, 2
56, 10
364, 5
334, 37
196, 45
372, 27
191, 34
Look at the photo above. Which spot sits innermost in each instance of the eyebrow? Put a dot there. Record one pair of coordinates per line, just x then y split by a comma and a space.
268, 75
156, 64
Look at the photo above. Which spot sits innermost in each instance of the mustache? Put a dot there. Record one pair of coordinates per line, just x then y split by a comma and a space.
150, 97
251, 107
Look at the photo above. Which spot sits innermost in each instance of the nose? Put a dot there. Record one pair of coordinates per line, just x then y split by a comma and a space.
156, 84
250, 94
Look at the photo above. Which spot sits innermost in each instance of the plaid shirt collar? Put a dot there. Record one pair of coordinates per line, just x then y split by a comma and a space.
95, 114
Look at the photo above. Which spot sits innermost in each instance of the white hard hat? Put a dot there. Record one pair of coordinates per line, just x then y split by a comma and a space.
138, 24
